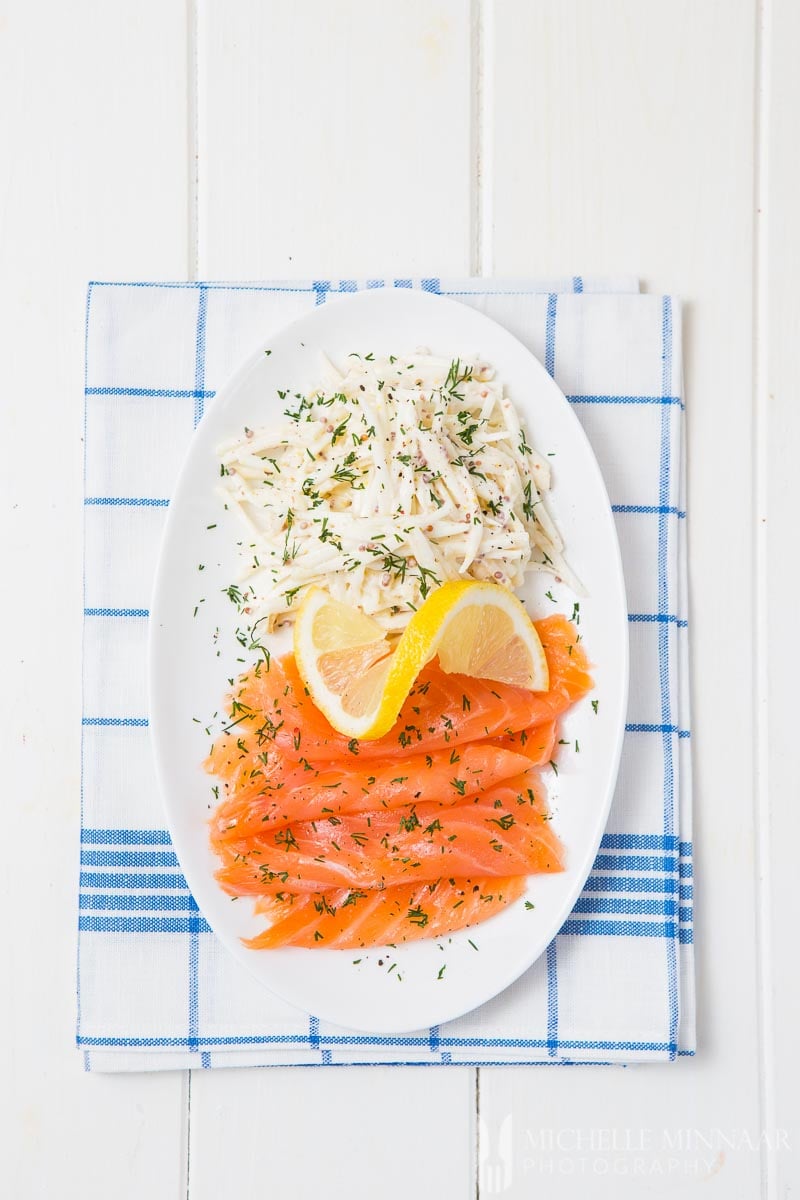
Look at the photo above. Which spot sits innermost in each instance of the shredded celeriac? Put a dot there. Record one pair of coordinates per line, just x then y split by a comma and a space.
393, 476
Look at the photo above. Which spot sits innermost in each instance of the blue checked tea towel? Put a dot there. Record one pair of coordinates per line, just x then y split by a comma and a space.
155, 988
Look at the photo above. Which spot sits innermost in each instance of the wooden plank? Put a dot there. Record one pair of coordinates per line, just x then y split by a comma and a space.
622, 137
778, 425
334, 138
93, 170
358, 1132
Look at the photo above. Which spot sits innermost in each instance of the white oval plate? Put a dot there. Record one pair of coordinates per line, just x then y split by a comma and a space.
387, 990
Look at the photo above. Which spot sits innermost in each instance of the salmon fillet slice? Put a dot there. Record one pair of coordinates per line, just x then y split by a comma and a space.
270, 707
503, 831
350, 919
276, 793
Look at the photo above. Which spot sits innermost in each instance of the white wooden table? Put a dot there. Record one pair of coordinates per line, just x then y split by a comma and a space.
264, 138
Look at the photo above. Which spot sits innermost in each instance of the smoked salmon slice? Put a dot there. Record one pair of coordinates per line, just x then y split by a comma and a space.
502, 832
536, 744
270, 707
276, 792
347, 918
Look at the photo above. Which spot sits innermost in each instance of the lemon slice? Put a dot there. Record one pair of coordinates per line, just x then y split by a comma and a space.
359, 679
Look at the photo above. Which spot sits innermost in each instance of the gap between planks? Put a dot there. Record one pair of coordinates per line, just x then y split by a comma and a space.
193, 140
186, 1147
760, 434
482, 45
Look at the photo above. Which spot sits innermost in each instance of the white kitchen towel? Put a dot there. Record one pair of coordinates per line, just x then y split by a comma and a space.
155, 988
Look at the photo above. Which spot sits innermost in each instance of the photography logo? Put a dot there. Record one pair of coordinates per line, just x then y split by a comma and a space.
496, 1160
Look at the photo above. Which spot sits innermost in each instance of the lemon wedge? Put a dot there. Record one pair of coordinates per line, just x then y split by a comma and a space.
359, 678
